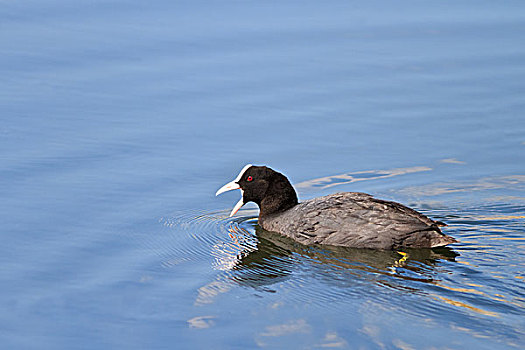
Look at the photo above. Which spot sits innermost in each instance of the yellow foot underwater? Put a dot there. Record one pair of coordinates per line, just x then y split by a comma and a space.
401, 262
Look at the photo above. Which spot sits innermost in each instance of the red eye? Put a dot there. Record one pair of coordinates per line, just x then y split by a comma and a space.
249, 178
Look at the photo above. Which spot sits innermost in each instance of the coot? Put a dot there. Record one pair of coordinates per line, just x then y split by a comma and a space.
350, 219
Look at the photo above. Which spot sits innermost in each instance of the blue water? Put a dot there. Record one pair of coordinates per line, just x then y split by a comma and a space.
120, 120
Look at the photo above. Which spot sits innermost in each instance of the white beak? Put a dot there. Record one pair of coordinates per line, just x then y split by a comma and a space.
234, 186
228, 187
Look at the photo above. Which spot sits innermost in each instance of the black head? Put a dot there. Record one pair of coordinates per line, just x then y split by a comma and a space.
270, 190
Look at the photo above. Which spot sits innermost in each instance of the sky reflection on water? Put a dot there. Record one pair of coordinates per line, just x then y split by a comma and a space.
119, 121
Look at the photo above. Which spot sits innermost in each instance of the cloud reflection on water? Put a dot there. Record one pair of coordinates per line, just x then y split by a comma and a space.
350, 177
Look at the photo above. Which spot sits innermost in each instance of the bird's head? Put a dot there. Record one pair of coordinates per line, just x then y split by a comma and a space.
269, 189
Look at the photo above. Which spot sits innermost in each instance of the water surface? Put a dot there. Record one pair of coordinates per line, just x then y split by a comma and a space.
120, 120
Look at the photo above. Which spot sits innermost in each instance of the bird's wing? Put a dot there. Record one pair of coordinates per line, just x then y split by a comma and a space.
353, 219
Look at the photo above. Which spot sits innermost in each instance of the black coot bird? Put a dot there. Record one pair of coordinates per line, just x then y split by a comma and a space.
350, 219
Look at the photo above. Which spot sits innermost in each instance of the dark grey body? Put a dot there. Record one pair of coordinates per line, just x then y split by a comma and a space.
355, 219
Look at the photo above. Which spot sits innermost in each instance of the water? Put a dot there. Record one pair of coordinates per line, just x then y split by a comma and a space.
120, 120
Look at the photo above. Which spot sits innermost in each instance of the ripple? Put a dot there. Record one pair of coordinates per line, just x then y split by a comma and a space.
508, 182
199, 235
464, 282
350, 177
249, 256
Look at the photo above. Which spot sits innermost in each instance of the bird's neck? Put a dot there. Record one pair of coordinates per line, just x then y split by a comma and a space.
279, 197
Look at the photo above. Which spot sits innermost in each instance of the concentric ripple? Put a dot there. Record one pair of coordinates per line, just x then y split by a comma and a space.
197, 235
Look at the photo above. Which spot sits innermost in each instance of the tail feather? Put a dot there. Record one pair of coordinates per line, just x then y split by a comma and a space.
442, 240
432, 237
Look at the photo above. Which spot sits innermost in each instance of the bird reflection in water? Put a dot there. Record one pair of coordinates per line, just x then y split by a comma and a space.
272, 258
